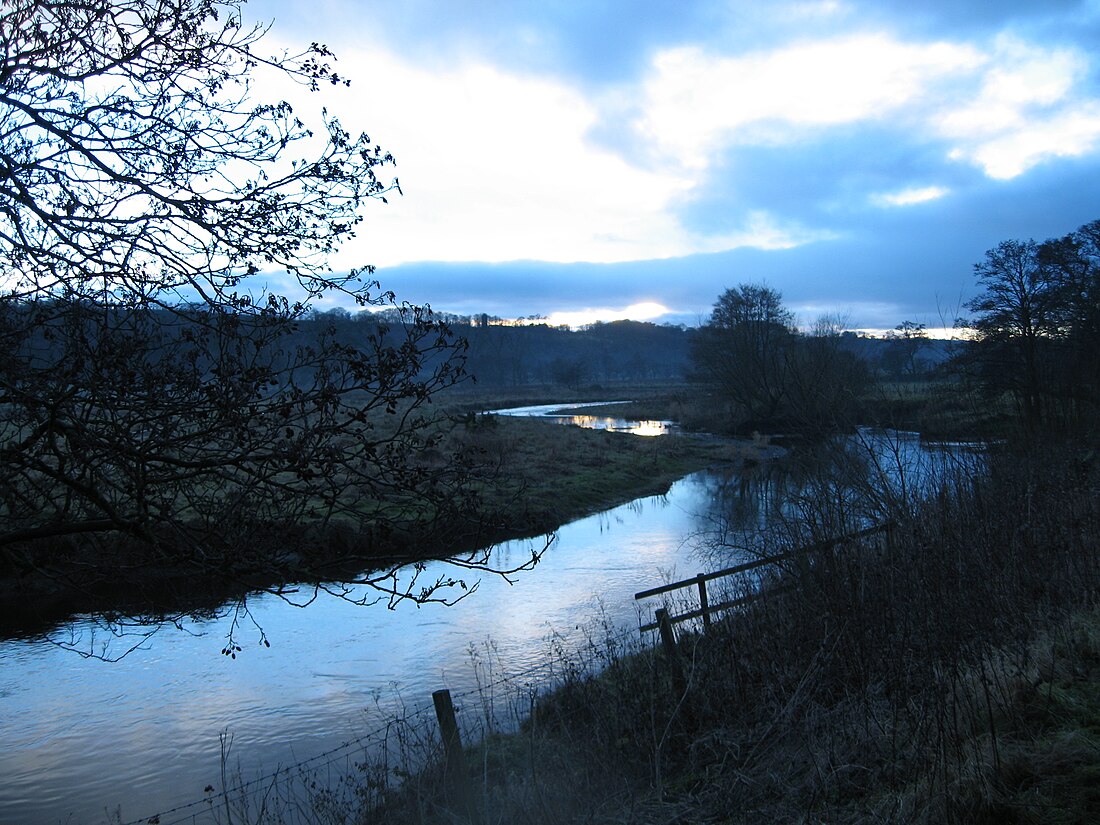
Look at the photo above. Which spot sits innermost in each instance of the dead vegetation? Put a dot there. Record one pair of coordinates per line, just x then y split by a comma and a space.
947, 676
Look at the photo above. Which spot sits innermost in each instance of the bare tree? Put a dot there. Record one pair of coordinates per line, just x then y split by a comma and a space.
160, 414
1021, 311
824, 380
741, 351
768, 373
906, 341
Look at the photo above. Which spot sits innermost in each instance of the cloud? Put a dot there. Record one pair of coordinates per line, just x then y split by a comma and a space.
908, 197
1031, 106
697, 102
499, 166
496, 166
563, 157
1066, 135
708, 147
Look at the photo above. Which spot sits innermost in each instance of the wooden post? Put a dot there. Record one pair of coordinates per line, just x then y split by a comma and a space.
457, 778
704, 605
668, 641
668, 635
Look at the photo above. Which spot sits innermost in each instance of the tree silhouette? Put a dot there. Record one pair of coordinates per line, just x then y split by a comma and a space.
767, 374
1074, 262
161, 413
742, 351
1021, 312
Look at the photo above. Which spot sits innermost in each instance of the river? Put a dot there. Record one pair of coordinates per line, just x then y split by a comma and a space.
86, 740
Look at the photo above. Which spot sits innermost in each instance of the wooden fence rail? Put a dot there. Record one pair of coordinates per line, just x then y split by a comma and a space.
706, 610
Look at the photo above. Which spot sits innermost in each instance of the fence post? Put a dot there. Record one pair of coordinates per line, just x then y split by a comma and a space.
668, 636
668, 641
704, 605
456, 777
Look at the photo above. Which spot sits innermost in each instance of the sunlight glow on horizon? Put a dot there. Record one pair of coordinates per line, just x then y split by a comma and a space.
644, 311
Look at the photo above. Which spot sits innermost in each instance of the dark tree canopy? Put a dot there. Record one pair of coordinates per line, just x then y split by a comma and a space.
159, 411
907, 339
768, 375
1036, 325
750, 305
742, 350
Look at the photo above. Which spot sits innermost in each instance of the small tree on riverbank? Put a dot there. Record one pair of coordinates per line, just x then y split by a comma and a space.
768, 375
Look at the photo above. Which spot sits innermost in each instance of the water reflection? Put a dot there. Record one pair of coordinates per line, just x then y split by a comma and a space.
843, 485
618, 425
557, 414
155, 717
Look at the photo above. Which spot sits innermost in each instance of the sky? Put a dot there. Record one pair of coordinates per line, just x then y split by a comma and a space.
603, 159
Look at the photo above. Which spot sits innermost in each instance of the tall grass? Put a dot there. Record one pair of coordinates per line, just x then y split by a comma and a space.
948, 675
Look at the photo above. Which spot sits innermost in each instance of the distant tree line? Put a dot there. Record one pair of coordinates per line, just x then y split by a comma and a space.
501, 355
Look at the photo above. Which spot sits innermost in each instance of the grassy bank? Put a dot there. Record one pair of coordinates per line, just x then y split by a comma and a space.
939, 408
520, 477
949, 675
547, 474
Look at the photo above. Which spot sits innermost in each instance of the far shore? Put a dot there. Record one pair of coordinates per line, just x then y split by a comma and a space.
548, 475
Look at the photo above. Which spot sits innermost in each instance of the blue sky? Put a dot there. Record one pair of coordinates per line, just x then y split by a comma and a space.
633, 159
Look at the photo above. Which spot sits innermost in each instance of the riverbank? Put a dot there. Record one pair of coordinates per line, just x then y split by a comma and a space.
525, 477
549, 474
947, 676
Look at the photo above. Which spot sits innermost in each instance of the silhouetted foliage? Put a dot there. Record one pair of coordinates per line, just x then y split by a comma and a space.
1038, 327
1020, 313
158, 412
907, 340
743, 349
1074, 261
766, 374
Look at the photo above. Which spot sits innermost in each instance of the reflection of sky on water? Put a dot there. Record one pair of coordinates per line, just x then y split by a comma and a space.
155, 716
849, 483
558, 415
619, 425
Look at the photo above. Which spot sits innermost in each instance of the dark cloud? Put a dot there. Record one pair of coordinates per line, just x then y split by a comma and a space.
824, 183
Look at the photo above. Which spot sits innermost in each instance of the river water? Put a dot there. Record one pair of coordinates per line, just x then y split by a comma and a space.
86, 740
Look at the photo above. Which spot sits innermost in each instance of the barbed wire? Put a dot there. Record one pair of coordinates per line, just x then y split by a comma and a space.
546, 668
355, 742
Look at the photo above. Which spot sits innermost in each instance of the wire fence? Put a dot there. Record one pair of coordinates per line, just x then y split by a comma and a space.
359, 772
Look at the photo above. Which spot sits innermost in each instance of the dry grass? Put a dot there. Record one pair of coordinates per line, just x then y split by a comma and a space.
950, 676
545, 474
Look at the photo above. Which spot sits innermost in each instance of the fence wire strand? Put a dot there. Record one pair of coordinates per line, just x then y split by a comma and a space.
563, 664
